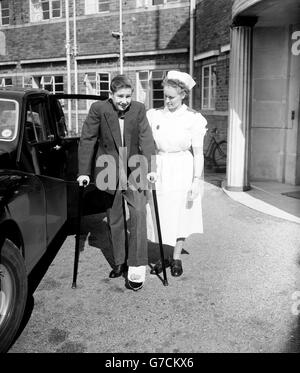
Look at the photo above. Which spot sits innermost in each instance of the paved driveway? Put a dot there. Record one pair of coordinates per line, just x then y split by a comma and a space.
235, 294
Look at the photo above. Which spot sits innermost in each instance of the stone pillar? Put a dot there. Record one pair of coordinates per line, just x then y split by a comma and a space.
239, 104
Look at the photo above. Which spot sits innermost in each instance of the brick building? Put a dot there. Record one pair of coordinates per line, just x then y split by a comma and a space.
156, 39
211, 62
33, 44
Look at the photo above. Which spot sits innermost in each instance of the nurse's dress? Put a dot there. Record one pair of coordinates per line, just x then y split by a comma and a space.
174, 134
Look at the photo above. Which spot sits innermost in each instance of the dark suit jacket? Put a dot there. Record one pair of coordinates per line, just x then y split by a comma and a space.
101, 136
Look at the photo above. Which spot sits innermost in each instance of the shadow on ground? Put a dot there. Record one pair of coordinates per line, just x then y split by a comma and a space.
95, 232
293, 344
214, 176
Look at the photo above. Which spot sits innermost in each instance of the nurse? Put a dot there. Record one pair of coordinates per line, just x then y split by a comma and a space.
178, 132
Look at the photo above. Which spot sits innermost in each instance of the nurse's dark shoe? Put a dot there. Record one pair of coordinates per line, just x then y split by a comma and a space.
176, 268
157, 269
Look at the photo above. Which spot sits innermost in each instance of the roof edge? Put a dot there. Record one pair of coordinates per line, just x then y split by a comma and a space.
240, 5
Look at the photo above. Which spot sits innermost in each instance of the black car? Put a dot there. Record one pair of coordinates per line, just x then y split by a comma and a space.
38, 191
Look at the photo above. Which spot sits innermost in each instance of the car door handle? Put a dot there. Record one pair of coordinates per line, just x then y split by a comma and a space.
56, 147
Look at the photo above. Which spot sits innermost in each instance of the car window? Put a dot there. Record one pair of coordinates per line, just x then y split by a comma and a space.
8, 119
59, 117
37, 128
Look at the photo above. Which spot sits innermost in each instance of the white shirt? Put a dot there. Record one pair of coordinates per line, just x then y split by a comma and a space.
121, 122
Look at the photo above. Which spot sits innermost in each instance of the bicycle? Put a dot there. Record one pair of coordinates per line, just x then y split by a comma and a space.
216, 152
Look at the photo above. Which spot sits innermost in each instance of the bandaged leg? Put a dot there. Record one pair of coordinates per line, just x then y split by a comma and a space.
137, 274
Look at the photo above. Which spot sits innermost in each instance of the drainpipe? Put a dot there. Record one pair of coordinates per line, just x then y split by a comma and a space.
119, 35
121, 38
191, 54
68, 61
75, 51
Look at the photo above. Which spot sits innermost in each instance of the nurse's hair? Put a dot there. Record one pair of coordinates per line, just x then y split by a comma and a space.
119, 82
175, 83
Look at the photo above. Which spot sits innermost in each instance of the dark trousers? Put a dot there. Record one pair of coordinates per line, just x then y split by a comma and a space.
137, 253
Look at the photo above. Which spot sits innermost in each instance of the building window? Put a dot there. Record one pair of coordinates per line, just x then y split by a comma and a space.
103, 6
41, 10
96, 6
150, 90
209, 87
28, 82
4, 11
147, 3
97, 84
159, 2
6, 82
52, 83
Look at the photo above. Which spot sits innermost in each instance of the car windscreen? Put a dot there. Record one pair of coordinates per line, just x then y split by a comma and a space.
8, 119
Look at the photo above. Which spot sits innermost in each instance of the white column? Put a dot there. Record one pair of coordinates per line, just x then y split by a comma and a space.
239, 105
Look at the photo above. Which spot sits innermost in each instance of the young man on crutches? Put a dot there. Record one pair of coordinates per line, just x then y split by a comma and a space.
115, 132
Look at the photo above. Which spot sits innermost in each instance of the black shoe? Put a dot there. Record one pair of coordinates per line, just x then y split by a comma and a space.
135, 286
157, 269
176, 268
118, 271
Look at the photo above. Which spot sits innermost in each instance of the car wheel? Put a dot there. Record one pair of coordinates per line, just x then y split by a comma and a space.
13, 292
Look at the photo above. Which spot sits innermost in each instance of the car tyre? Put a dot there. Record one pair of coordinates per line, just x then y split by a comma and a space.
13, 292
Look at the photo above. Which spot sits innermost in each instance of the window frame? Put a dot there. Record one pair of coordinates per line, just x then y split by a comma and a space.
2, 17
39, 81
164, 2
95, 6
211, 105
3, 81
97, 82
51, 17
149, 93
149, 3
103, 2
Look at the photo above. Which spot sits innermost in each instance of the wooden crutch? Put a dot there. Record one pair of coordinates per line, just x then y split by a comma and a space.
165, 280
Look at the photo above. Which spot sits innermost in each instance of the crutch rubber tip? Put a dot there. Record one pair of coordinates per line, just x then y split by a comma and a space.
74, 285
165, 282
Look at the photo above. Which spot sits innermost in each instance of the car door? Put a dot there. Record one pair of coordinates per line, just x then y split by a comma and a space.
26, 204
48, 160
95, 201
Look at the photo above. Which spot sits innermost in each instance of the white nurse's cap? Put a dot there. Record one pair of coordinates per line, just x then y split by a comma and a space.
183, 77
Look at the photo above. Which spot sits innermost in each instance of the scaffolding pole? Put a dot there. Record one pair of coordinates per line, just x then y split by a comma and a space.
68, 63
75, 52
191, 56
121, 37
